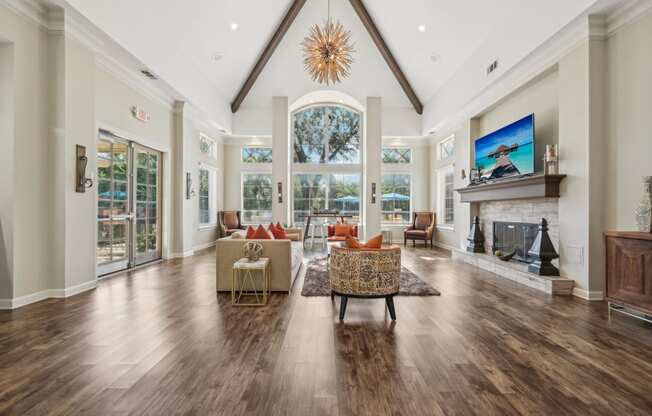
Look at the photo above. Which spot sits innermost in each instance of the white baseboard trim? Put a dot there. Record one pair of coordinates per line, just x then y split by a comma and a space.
588, 295
181, 255
203, 246
19, 302
444, 246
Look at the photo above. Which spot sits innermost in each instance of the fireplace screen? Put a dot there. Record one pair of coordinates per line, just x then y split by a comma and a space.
518, 236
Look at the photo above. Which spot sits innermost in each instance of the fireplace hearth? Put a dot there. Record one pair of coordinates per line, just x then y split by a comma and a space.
514, 236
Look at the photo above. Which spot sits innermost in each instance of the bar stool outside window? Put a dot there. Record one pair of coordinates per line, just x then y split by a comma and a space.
250, 282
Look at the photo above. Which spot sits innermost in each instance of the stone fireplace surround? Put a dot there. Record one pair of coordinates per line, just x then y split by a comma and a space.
523, 211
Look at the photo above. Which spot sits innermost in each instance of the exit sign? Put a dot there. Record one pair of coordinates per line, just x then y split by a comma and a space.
140, 114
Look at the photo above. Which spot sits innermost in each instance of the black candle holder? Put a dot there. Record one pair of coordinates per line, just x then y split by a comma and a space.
475, 238
543, 252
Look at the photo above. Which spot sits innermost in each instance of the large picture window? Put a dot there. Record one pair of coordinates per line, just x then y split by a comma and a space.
207, 210
396, 198
326, 191
326, 134
256, 198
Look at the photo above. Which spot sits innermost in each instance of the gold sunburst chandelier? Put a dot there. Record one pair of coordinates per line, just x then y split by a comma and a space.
327, 52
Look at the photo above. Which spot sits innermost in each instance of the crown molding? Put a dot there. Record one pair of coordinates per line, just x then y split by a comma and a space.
628, 13
31, 10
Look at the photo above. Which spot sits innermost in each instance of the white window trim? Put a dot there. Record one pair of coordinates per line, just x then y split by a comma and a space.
212, 197
242, 175
380, 195
441, 202
258, 146
450, 138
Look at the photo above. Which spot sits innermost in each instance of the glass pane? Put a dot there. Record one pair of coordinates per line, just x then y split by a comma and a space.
119, 250
141, 236
309, 193
120, 152
120, 171
141, 193
151, 226
141, 210
152, 177
103, 169
120, 193
395, 199
104, 149
151, 193
103, 252
103, 230
104, 189
141, 175
344, 194
153, 162
326, 134
151, 210
141, 159
151, 242
119, 230
103, 209
257, 154
120, 208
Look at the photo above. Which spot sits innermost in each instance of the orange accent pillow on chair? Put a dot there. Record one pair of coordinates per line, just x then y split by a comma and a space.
374, 242
352, 242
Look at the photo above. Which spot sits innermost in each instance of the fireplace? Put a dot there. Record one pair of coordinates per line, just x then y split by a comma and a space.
518, 236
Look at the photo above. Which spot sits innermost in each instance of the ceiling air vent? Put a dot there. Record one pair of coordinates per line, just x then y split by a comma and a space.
149, 74
491, 68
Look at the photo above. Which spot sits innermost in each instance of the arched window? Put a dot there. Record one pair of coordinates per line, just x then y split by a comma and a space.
327, 160
326, 134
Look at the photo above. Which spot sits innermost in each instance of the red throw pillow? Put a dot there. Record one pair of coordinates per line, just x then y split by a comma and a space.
279, 226
250, 233
261, 234
342, 230
352, 242
278, 233
374, 242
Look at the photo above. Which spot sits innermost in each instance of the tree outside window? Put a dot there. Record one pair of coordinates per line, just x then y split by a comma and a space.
256, 198
326, 135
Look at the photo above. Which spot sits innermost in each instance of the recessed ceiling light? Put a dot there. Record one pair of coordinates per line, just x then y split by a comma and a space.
341, 102
421, 28
234, 26
434, 57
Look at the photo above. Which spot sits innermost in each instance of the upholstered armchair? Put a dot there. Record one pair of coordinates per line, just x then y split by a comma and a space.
229, 222
422, 228
365, 273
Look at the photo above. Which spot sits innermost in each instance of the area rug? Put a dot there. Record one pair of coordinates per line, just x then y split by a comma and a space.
316, 282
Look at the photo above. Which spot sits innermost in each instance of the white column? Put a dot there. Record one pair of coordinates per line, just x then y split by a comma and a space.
372, 173
181, 166
281, 154
6, 170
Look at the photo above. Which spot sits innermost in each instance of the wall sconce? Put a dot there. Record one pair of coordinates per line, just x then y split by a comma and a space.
373, 192
279, 189
463, 174
81, 162
189, 191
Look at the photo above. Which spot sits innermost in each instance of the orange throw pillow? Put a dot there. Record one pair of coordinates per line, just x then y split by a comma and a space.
279, 226
342, 230
374, 242
278, 233
250, 233
261, 234
352, 242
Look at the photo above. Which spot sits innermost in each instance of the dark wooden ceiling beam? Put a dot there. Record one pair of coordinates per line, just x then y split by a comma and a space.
368, 22
281, 30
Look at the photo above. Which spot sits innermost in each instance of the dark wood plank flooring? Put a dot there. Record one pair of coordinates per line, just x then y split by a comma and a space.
159, 341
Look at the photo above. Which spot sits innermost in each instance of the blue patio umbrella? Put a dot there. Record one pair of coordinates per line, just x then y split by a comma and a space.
393, 196
348, 198
117, 195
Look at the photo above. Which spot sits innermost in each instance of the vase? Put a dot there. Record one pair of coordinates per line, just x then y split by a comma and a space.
644, 209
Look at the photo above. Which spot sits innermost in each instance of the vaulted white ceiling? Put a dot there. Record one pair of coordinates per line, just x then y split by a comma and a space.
179, 40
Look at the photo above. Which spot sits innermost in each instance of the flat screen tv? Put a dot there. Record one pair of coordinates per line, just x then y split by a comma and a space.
506, 152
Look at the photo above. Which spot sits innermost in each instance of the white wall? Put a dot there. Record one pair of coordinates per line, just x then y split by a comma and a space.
629, 140
7, 170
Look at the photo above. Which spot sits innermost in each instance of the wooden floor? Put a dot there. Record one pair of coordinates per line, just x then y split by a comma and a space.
159, 341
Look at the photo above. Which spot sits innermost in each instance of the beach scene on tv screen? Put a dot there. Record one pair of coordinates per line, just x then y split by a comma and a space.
508, 151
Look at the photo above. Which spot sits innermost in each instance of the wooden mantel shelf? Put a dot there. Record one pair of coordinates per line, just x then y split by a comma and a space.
535, 186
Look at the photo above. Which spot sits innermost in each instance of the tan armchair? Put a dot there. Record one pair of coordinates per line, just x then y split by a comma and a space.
365, 273
422, 228
229, 222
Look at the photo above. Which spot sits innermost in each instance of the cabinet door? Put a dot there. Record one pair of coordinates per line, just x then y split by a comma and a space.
629, 271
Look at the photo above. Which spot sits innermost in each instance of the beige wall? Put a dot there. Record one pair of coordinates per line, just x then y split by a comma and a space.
6, 170
629, 140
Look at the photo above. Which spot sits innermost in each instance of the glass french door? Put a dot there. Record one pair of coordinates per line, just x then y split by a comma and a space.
128, 204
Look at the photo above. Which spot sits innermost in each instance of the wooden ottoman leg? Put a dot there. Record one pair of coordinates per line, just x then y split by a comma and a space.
343, 300
389, 300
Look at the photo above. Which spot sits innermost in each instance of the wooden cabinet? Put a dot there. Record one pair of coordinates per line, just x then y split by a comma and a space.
629, 269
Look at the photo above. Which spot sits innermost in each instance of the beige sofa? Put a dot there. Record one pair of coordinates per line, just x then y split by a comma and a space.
286, 257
